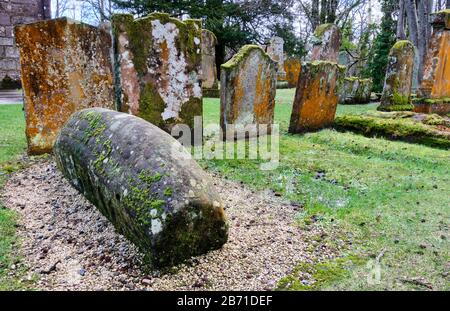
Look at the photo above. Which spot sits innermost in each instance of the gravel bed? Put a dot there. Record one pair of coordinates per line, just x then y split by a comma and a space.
69, 245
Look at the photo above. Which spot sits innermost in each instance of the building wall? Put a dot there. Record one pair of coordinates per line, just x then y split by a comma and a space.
14, 12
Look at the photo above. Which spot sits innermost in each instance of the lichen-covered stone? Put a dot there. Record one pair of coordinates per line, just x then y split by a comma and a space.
159, 68
247, 88
326, 43
440, 106
293, 68
209, 70
436, 76
275, 49
66, 66
399, 74
355, 90
316, 97
144, 182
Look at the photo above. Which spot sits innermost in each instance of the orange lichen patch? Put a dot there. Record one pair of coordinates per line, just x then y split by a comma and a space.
293, 68
66, 66
316, 97
248, 85
441, 85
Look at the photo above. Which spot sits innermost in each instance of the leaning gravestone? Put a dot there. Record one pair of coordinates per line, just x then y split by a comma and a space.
247, 88
316, 96
326, 39
398, 83
144, 182
275, 49
209, 70
159, 67
434, 91
66, 66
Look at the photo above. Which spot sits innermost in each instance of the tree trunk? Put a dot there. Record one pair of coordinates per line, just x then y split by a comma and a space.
323, 11
411, 13
401, 35
423, 35
447, 6
315, 19
332, 6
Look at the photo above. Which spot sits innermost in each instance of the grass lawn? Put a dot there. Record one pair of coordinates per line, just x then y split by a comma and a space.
12, 144
390, 199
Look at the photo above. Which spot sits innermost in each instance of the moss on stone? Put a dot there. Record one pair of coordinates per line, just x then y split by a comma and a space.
401, 44
394, 128
241, 55
321, 29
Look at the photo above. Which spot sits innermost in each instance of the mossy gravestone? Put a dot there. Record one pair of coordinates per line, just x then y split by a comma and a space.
355, 90
66, 66
247, 89
159, 66
209, 70
399, 74
316, 97
326, 43
144, 182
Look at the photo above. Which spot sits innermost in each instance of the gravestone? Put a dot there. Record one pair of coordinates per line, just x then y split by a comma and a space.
159, 63
247, 88
66, 66
325, 43
434, 91
209, 70
144, 182
399, 74
355, 90
293, 68
316, 97
275, 49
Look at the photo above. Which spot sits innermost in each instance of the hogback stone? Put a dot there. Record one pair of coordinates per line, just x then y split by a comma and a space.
144, 182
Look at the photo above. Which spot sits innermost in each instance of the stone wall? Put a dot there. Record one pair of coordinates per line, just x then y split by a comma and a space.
15, 12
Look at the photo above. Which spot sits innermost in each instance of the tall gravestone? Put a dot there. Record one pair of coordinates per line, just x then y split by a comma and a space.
66, 66
435, 88
159, 63
293, 68
325, 43
247, 89
275, 49
316, 96
209, 70
399, 74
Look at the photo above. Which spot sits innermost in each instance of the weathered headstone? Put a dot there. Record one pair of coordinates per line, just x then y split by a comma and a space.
159, 68
355, 90
398, 83
66, 66
144, 182
316, 97
293, 68
275, 49
435, 88
247, 88
326, 43
209, 70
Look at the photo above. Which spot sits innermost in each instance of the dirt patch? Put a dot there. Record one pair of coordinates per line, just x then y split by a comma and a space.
69, 245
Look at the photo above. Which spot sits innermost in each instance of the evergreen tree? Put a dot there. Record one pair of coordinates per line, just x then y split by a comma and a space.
378, 58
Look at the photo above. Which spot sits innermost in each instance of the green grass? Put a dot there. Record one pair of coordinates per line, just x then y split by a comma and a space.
386, 197
12, 144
